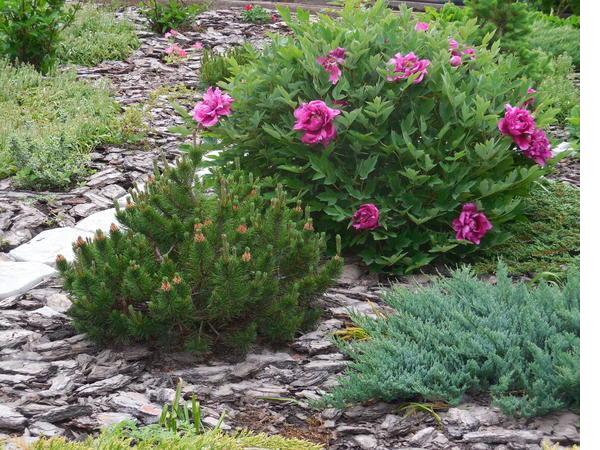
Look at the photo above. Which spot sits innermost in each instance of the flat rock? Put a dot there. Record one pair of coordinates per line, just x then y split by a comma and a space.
98, 221
10, 419
45, 429
18, 277
104, 386
503, 436
48, 244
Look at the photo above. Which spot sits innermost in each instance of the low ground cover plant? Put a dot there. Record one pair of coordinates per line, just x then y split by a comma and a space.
200, 271
95, 36
171, 15
462, 335
380, 131
30, 31
48, 125
545, 240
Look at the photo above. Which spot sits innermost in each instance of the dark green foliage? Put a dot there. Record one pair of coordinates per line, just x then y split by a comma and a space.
509, 19
218, 67
547, 240
170, 15
558, 7
257, 14
410, 149
463, 335
30, 30
196, 269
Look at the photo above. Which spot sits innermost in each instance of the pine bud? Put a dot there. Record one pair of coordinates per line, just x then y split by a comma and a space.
165, 286
100, 235
242, 229
199, 237
113, 228
253, 193
298, 209
177, 279
308, 226
129, 204
247, 256
207, 222
235, 207
60, 259
197, 227
80, 242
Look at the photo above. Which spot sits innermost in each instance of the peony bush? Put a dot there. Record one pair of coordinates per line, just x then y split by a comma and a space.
400, 135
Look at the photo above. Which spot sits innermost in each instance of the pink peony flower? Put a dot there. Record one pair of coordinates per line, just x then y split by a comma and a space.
518, 124
316, 120
331, 63
471, 225
405, 66
171, 33
421, 26
452, 44
469, 52
539, 149
531, 90
213, 105
198, 46
248, 7
366, 217
274, 18
455, 60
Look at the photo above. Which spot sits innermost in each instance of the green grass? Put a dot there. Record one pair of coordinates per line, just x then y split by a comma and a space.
515, 342
48, 125
547, 240
126, 436
96, 36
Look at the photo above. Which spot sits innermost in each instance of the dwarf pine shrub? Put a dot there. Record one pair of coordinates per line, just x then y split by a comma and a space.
463, 335
196, 270
365, 113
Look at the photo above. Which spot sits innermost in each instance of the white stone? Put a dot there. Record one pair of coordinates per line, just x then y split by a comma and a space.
48, 244
58, 302
560, 148
99, 221
18, 277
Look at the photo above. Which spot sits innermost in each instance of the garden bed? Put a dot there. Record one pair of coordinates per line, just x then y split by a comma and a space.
54, 381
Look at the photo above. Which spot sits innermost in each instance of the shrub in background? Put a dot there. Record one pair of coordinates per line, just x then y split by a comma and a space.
554, 39
95, 36
546, 239
48, 125
171, 15
415, 137
30, 31
255, 14
546, 47
216, 67
200, 270
463, 335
